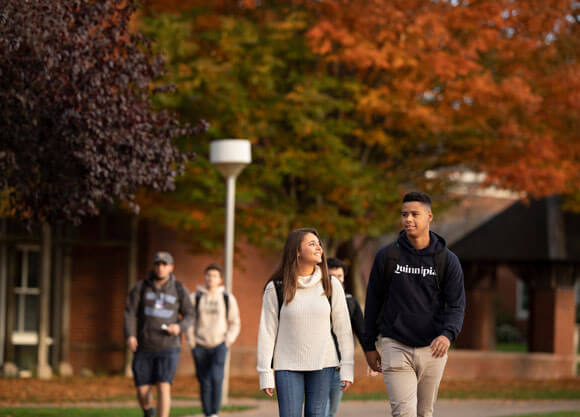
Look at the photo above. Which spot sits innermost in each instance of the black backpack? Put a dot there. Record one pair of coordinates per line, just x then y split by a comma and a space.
226, 302
280, 296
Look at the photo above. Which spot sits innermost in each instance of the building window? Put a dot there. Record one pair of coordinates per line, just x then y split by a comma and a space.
26, 296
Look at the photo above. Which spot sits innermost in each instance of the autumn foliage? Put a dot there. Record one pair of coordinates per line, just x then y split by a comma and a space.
78, 127
492, 85
348, 103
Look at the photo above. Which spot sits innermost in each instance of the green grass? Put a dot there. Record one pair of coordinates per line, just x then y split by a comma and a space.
99, 412
554, 414
511, 347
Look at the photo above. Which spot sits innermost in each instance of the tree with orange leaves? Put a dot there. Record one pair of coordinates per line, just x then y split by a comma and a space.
348, 103
491, 85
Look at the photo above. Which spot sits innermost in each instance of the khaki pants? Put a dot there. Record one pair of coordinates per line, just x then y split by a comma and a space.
412, 377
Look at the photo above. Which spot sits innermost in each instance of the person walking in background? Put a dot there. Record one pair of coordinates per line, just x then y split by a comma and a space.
338, 269
216, 325
416, 301
302, 307
157, 311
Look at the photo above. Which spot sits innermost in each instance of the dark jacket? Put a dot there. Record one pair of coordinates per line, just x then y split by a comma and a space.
148, 308
418, 308
356, 317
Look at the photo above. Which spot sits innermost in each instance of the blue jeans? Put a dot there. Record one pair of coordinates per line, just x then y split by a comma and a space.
209, 369
335, 395
297, 387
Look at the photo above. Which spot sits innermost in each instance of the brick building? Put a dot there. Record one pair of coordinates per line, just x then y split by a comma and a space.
90, 270
62, 290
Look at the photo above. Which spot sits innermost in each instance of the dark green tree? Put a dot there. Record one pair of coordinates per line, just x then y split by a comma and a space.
78, 128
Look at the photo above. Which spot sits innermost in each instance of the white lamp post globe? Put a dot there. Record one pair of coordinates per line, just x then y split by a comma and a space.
230, 156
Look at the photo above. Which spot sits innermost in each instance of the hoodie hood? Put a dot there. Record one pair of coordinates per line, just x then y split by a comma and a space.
310, 280
436, 244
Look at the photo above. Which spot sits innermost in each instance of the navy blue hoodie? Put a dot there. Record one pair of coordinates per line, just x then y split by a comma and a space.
418, 309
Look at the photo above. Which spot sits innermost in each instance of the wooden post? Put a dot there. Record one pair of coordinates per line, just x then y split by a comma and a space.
57, 301
3, 288
132, 278
64, 366
43, 370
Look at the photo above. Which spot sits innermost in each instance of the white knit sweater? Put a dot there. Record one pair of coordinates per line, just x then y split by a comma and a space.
302, 340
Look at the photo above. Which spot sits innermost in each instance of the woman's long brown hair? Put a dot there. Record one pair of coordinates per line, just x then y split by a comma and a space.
287, 272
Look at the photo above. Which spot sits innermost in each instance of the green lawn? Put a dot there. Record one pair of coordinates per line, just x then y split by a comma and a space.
98, 412
511, 347
555, 414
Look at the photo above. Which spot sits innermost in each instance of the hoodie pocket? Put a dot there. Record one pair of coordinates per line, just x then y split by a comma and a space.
415, 329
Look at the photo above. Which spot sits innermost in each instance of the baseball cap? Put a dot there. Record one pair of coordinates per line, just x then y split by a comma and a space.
163, 257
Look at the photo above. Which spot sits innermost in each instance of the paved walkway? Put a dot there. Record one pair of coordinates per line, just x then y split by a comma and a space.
444, 408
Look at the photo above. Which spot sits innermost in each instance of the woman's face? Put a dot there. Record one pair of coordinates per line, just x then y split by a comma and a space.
310, 250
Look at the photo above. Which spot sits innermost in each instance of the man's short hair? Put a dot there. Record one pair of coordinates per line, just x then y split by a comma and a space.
213, 267
419, 196
334, 263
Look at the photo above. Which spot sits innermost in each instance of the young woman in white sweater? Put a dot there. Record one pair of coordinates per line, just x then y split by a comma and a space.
297, 353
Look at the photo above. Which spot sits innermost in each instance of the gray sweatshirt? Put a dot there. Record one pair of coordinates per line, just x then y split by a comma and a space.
147, 309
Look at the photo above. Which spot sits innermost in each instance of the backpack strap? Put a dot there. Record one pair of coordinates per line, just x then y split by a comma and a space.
180, 289
279, 295
227, 304
334, 338
197, 298
142, 290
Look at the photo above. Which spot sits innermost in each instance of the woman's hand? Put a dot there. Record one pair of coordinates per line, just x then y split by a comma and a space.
344, 385
268, 391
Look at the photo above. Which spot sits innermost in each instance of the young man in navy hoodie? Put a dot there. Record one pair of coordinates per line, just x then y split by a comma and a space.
415, 305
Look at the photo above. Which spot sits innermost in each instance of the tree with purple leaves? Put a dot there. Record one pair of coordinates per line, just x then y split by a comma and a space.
78, 128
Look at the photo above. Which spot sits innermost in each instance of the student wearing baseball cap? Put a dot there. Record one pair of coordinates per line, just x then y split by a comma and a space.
157, 311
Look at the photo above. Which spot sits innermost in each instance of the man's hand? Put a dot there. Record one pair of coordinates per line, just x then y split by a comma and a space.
268, 391
374, 360
344, 385
132, 343
439, 346
174, 329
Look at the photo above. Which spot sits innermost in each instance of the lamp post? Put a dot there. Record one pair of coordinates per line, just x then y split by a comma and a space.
230, 156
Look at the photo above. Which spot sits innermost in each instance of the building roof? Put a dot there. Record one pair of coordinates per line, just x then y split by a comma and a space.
535, 231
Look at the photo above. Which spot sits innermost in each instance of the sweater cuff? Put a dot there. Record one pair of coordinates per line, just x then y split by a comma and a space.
267, 379
346, 373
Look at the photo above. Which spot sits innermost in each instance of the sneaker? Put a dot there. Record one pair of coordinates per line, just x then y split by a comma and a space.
150, 412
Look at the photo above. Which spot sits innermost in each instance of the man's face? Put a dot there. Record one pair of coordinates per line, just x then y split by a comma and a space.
163, 270
338, 273
415, 218
213, 278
